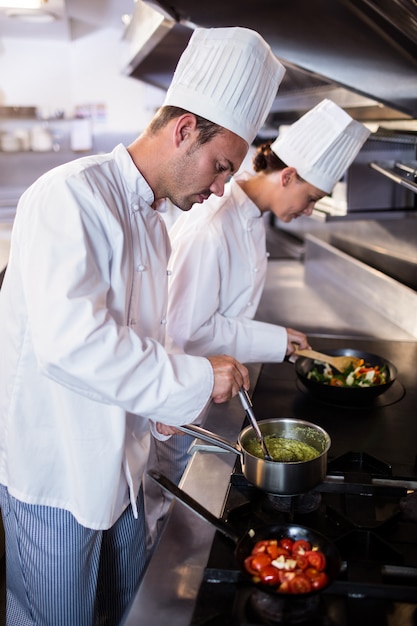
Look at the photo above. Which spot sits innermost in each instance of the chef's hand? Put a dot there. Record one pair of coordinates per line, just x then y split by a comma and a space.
229, 377
294, 336
164, 429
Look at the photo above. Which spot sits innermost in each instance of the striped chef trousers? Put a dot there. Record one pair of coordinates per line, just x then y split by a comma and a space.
59, 573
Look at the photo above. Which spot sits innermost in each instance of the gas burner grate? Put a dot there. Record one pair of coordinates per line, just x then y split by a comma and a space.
303, 503
359, 463
278, 611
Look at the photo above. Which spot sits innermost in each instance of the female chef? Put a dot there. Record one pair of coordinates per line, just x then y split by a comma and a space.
219, 259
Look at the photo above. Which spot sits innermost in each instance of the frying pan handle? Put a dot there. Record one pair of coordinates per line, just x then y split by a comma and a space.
207, 435
195, 506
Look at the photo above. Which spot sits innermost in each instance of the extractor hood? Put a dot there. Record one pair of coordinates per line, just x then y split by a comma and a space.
360, 53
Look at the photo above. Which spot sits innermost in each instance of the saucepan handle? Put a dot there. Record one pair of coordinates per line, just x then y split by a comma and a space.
192, 504
207, 435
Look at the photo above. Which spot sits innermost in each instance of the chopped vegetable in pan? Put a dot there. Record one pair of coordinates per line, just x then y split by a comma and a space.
290, 566
363, 376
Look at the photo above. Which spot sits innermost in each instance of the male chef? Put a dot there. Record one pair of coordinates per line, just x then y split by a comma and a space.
84, 377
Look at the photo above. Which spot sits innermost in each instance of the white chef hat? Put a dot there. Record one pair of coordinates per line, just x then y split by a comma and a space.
229, 76
321, 144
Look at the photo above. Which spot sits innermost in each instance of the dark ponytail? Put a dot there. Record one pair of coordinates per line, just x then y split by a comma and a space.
266, 160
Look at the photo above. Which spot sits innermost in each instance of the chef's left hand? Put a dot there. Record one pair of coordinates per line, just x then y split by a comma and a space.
294, 336
164, 429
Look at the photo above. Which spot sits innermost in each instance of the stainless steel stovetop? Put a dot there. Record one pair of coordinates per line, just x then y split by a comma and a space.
369, 514
362, 518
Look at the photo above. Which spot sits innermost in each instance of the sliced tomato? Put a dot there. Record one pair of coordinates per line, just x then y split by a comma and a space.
301, 561
260, 560
260, 546
319, 581
316, 559
286, 543
301, 546
300, 584
311, 572
284, 587
248, 565
282, 552
275, 551
285, 575
269, 575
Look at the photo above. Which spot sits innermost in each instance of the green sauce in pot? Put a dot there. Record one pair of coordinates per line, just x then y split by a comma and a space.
281, 449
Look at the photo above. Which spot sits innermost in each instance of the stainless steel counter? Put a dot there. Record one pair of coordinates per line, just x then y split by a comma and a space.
333, 293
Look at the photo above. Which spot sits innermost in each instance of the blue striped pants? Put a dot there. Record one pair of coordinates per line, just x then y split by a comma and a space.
59, 573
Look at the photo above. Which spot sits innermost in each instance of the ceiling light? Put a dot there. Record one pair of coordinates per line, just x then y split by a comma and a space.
22, 4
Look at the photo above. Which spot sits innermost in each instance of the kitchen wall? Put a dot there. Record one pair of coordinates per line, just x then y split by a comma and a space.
59, 76
56, 75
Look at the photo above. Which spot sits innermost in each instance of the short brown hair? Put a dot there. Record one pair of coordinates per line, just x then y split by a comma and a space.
207, 130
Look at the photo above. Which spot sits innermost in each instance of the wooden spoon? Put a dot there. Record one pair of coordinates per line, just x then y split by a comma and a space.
341, 363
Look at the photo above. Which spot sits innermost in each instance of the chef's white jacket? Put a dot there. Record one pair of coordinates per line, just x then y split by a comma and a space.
82, 323
218, 269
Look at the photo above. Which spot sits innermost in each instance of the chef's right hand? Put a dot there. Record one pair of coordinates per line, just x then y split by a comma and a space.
229, 377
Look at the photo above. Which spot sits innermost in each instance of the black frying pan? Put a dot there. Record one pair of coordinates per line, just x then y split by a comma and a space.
348, 396
246, 542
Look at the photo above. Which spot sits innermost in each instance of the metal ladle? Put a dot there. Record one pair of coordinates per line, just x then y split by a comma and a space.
247, 405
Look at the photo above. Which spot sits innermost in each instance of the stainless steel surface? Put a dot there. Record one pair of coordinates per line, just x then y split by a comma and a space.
380, 250
409, 168
193, 505
353, 46
247, 405
270, 475
310, 300
282, 478
363, 193
364, 289
399, 173
210, 437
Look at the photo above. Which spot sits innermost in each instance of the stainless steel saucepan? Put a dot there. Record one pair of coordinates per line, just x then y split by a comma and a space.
276, 477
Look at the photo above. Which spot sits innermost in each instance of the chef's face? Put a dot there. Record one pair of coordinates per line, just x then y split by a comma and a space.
200, 170
293, 197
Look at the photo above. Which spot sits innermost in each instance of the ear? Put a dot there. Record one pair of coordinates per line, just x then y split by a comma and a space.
288, 174
184, 128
